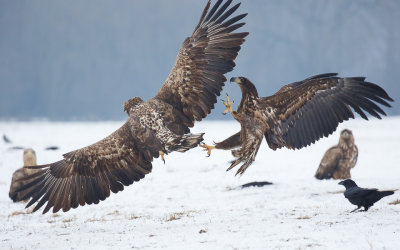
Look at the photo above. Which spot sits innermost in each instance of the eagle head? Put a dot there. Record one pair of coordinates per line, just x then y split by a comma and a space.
131, 103
29, 157
346, 134
245, 85
239, 80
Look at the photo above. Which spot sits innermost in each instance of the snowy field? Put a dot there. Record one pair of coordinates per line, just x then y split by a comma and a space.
191, 202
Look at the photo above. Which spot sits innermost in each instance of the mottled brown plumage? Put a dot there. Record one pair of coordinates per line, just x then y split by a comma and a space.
157, 126
29, 157
299, 113
338, 160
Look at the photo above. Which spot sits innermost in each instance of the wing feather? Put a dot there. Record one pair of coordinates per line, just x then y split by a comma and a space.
305, 111
87, 175
329, 163
197, 77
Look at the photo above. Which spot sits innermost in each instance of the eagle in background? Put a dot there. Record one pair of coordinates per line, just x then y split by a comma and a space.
297, 115
339, 159
155, 127
29, 157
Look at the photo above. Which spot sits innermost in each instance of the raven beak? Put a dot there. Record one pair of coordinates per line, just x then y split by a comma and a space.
235, 79
341, 183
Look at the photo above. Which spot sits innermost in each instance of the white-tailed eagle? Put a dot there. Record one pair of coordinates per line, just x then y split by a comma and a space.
297, 115
157, 126
339, 159
29, 157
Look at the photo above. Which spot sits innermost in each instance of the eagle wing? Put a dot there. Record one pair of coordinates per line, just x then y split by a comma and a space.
197, 77
308, 110
329, 163
87, 175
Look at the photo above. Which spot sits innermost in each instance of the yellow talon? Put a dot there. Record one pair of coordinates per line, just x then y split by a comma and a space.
228, 105
207, 148
162, 156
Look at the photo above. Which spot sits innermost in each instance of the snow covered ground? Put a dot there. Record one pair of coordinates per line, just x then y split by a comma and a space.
191, 202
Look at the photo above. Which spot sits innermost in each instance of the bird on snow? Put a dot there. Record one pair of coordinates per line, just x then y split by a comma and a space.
362, 197
29, 157
339, 159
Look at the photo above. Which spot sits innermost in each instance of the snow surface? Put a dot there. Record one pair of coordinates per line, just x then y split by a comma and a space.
191, 202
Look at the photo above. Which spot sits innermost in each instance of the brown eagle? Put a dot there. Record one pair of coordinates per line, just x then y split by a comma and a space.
338, 160
157, 126
297, 115
29, 157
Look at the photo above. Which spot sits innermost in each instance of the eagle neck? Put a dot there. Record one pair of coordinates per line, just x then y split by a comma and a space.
249, 94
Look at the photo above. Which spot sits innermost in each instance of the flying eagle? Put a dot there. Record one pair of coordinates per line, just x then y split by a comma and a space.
29, 157
339, 159
297, 115
155, 127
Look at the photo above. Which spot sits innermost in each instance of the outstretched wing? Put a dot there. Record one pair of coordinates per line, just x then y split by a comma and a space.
197, 77
308, 110
87, 175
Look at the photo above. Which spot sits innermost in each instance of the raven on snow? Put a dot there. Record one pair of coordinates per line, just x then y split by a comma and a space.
362, 197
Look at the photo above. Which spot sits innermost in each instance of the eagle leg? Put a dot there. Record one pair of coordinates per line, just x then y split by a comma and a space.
162, 155
228, 105
207, 148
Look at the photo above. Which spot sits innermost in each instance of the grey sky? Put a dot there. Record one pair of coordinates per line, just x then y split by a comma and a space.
66, 60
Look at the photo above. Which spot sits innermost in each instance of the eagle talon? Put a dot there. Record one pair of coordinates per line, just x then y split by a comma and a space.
207, 148
228, 105
162, 156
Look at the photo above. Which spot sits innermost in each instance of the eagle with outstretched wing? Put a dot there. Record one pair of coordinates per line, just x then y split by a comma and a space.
155, 127
297, 115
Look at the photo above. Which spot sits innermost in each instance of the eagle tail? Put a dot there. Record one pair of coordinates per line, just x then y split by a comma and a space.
186, 142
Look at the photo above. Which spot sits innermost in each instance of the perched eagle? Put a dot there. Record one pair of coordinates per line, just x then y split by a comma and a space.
29, 157
339, 159
157, 126
297, 115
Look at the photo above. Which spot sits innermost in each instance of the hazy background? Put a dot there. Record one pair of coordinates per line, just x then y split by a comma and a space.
79, 60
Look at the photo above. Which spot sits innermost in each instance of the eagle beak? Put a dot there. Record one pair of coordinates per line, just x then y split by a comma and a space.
235, 79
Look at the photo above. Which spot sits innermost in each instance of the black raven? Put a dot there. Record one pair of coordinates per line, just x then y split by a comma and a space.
362, 197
